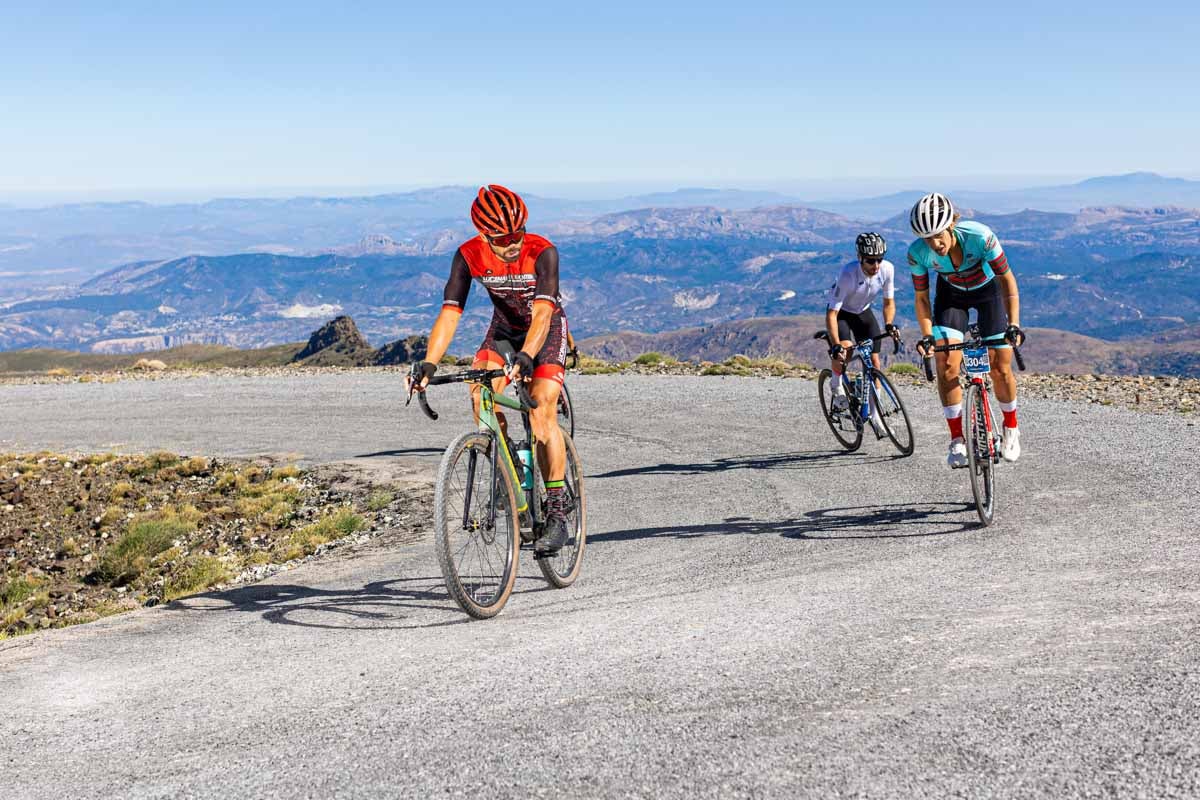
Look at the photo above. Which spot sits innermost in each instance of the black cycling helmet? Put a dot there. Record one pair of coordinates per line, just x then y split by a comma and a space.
870, 245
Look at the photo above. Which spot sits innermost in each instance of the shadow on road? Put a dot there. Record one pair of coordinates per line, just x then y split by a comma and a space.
412, 451
857, 522
786, 461
382, 605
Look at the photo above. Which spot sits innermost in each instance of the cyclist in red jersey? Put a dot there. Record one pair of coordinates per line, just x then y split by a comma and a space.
519, 270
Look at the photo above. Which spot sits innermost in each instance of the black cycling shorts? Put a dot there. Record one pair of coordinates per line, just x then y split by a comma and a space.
550, 361
952, 307
857, 327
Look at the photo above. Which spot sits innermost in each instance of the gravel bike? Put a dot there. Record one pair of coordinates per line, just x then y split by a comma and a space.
871, 399
566, 412
980, 430
489, 503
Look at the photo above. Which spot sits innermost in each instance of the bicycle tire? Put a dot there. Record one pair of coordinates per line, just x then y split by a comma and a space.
850, 442
888, 418
979, 459
480, 596
561, 569
566, 411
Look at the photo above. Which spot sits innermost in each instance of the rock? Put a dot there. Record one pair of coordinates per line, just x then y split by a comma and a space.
149, 365
402, 351
337, 342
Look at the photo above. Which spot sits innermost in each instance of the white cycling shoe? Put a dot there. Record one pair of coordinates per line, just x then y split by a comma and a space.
957, 457
840, 402
1010, 445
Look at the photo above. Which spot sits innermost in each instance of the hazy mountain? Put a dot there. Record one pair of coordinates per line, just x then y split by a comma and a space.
1109, 272
1137, 189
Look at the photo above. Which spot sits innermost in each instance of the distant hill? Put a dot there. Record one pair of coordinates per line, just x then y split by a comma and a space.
1048, 350
1105, 272
1137, 189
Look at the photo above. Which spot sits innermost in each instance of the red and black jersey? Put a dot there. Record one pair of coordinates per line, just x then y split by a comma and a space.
514, 287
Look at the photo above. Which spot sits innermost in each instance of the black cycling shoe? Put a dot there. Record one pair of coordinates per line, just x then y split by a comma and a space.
554, 536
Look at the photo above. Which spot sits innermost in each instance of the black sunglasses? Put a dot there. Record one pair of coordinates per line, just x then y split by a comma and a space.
872, 261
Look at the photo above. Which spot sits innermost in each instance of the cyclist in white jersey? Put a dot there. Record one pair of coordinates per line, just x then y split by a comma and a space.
849, 317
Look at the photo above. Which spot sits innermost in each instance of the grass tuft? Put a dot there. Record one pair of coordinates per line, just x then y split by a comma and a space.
145, 539
198, 574
304, 541
903, 369
380, 499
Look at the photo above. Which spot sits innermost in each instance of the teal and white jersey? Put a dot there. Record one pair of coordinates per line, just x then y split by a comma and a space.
983, 259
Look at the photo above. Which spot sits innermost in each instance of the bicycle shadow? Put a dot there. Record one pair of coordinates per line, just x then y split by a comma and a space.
412, 451
380, 605
853, 522
811, 459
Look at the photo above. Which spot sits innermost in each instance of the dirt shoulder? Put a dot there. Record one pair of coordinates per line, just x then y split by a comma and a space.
82, 537
1151, 393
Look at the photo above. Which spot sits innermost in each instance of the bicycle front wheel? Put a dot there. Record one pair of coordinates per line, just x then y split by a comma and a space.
475, 525
844, 424
980, 452
562, 568
893, 415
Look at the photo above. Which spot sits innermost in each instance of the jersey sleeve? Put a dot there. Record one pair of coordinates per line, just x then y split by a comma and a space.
837, 294
889, 281
993, 253
546, 269
920, 272
458, 286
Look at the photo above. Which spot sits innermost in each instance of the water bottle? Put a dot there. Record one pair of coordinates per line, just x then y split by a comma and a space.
858, 386
525, 457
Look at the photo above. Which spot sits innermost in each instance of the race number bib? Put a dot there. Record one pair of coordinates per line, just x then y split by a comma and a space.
975, 359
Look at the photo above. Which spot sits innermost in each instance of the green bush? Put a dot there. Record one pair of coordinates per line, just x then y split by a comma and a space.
380, 499
199, 573
145, 539
649, 359
904, 369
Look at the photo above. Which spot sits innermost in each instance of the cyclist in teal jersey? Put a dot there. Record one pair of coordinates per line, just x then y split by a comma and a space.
972, 273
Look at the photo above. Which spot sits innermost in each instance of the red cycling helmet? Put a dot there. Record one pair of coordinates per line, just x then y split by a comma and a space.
498, 211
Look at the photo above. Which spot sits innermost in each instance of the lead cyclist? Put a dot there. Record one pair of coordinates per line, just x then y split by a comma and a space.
972, 273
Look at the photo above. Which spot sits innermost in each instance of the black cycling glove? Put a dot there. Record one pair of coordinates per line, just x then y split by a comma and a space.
925, 346
421, 371
890, 329
1014, 335
835, 351
525, 362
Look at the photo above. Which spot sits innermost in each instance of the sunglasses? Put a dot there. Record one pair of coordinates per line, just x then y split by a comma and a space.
507, 239
872, 261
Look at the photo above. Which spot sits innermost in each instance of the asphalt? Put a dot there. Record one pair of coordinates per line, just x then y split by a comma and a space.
759, 615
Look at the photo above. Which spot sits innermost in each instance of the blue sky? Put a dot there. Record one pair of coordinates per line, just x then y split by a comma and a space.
127, 97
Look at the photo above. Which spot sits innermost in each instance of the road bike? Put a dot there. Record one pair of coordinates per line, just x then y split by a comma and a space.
566, 411
979, 418
490, 502
871, 399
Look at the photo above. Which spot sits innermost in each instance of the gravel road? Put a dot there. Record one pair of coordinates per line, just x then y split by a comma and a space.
759, 615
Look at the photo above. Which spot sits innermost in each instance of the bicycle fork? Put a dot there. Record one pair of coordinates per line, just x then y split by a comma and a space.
472, 463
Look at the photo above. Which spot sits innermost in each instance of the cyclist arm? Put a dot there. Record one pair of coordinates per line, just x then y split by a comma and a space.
454, 298
924, 313
1012, 298
837, 296
545, 301
889, 295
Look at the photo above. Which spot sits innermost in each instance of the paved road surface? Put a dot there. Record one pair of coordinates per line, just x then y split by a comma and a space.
759, 616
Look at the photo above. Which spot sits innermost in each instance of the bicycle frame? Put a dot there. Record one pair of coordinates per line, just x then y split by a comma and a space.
488, 400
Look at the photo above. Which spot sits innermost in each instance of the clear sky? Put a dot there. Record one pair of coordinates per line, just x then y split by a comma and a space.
131, 96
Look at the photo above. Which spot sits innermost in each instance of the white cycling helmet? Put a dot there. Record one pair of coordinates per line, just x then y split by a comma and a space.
932, 214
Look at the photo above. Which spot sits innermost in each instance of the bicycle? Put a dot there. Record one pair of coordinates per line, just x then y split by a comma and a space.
979, 420
882, 399
489, 503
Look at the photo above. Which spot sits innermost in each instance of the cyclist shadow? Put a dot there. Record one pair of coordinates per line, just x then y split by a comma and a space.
812, 459
380, 605
854, 522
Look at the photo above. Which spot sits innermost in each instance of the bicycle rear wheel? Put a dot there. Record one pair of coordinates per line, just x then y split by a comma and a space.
980, 453
894, 416
844, 424
562, 568
476, 539
566, 412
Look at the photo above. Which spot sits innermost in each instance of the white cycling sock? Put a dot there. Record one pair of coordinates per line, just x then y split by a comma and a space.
1009, 407
838, 388
952, 412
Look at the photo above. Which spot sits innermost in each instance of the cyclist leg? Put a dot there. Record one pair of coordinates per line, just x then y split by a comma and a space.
993, 321
949, 322
549, 369
490, 356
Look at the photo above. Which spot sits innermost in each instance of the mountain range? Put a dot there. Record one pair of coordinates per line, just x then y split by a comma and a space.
64, 245
1115, 273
